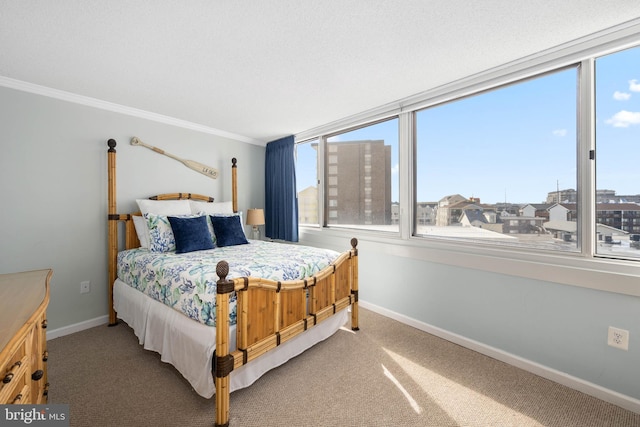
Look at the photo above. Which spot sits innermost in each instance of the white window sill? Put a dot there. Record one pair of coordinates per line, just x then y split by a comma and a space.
611, 275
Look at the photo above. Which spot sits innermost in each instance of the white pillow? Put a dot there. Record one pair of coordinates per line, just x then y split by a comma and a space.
142, 230
211, 208
164, 207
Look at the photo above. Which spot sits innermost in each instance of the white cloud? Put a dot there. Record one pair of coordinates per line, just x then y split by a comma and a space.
634, 86
560, 132
623, 119
621, 96
395, 169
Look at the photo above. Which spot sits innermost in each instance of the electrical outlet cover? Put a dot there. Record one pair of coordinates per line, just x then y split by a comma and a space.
85, 287
618, 338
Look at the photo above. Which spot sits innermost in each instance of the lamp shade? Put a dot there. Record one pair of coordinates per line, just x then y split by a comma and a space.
255, 217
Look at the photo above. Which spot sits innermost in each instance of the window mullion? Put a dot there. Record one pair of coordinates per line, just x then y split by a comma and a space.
586, 165
406, 174
322, 201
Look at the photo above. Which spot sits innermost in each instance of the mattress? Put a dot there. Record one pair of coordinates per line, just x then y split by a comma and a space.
187, 282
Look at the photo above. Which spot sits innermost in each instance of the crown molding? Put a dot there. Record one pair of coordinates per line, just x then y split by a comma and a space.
122, 109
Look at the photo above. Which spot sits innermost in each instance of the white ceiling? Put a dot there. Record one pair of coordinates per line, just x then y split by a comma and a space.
262, 69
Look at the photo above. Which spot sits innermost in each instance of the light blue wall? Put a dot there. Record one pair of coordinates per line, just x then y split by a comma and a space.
53, 181
561, 327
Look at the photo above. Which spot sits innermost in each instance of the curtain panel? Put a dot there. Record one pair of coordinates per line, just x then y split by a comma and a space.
281, 198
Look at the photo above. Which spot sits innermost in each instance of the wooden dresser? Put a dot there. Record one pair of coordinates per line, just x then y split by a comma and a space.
23, 341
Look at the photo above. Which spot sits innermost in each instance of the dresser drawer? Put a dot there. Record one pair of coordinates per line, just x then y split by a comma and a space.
22, 397
15, 378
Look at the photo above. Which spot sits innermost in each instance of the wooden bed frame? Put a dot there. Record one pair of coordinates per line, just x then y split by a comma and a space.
269, 312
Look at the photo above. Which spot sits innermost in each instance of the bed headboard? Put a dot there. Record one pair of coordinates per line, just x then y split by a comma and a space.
131, 240
130, 236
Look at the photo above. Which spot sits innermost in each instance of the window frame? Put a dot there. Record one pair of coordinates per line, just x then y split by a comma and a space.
585, 268
480, 90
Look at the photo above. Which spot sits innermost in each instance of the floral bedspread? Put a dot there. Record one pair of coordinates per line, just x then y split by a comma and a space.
187, 282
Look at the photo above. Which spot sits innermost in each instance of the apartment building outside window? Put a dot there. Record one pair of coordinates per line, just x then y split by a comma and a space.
362, 167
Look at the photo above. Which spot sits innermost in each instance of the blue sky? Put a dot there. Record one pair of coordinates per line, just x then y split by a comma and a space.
513, 144
518, 143
305, 167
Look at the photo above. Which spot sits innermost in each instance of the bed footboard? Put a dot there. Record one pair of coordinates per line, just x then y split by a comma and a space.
271, 313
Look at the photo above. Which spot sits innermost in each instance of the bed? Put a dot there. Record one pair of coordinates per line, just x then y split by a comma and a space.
222, 312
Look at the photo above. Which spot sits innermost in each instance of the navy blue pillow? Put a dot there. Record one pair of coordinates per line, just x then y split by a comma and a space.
191, 234
228, 230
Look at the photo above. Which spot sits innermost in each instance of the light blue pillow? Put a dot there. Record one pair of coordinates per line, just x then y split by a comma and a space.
161, 238
191, 234
228, 230
160, 235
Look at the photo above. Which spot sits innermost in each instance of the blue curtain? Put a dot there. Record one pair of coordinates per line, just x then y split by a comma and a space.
281, 198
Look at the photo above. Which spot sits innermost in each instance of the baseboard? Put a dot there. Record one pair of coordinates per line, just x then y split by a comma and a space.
77, 327
559, 377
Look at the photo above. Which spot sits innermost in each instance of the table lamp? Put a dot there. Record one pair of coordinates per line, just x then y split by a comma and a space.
255, 217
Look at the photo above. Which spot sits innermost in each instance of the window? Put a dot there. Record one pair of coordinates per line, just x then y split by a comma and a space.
617, 202
364, 166
499, 167
307, 182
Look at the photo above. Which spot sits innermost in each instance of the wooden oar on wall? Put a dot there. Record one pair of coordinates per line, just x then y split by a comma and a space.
192, 164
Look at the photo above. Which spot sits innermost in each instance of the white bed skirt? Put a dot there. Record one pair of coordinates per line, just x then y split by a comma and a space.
189, 345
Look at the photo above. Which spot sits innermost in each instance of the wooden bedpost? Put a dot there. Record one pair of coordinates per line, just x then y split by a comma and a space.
354, 284
234, 184
222, 360
113, 226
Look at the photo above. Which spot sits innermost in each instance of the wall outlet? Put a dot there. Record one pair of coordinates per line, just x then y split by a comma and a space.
618, 338
85, 287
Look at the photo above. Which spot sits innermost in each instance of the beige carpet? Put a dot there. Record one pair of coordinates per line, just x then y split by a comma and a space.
386, 374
